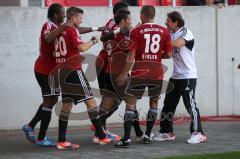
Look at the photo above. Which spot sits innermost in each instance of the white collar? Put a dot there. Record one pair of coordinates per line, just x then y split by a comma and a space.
149, 23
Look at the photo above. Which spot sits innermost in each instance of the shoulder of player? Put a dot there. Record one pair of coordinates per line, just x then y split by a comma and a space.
71, 31
165, 30
136, 28
49, 25
186, 32
110, 23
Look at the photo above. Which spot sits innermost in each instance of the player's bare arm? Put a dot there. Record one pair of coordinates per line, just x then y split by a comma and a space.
54, 34
129, 64
86, 46
110, 35
178, 42
84, 30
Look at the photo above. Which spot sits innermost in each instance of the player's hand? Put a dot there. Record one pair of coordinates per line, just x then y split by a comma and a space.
121, 79
82, 58
69, 23
95, 39
104, 28
124, 31
239, 66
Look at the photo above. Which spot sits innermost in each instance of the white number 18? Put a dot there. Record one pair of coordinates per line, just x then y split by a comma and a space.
152, 44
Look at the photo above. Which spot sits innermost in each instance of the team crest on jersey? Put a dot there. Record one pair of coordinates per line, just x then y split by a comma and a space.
110, 45
125, 44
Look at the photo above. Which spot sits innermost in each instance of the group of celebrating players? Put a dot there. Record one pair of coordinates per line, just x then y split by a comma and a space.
130, 62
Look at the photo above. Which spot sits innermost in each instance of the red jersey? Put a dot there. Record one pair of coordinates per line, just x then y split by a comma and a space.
102, 56
66, 53
117, 50
45, 62
149, 40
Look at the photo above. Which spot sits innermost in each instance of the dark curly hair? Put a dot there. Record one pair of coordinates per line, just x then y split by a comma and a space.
54, 8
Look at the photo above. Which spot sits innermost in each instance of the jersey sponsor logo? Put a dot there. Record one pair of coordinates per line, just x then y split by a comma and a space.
151, 30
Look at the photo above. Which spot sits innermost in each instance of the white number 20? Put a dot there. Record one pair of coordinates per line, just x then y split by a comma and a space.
152, 44
60, 47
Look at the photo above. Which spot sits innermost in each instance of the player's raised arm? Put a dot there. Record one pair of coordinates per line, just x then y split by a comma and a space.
54, 34
187, 40
110, 35
86, 46
178, 42
84, 30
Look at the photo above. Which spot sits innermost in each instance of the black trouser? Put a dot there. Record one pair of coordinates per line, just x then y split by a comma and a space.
176, 89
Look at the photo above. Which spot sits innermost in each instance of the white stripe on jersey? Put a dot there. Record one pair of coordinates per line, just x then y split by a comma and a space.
77, 32
49, 25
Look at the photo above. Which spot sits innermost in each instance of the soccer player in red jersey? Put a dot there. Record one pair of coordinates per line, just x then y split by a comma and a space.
110, 104
150, 44
73, 83
44, 64
116, 50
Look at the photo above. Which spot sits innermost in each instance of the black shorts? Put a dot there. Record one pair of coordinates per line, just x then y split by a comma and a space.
49, 84
74, 86
110, 87
100, 79
137, 88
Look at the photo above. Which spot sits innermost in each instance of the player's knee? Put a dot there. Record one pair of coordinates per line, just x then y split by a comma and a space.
50, 101
108, 103
130, 101
54, 101
154, 102
91, 103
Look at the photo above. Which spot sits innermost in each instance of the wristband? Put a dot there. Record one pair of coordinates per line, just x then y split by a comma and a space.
94, 28
116, 31
94, 40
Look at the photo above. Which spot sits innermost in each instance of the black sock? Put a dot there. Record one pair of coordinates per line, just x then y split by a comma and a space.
129, 118
136, 125
93, 115
103, 119
36, 118
62, 128
151, 118
104, 115
45, 120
